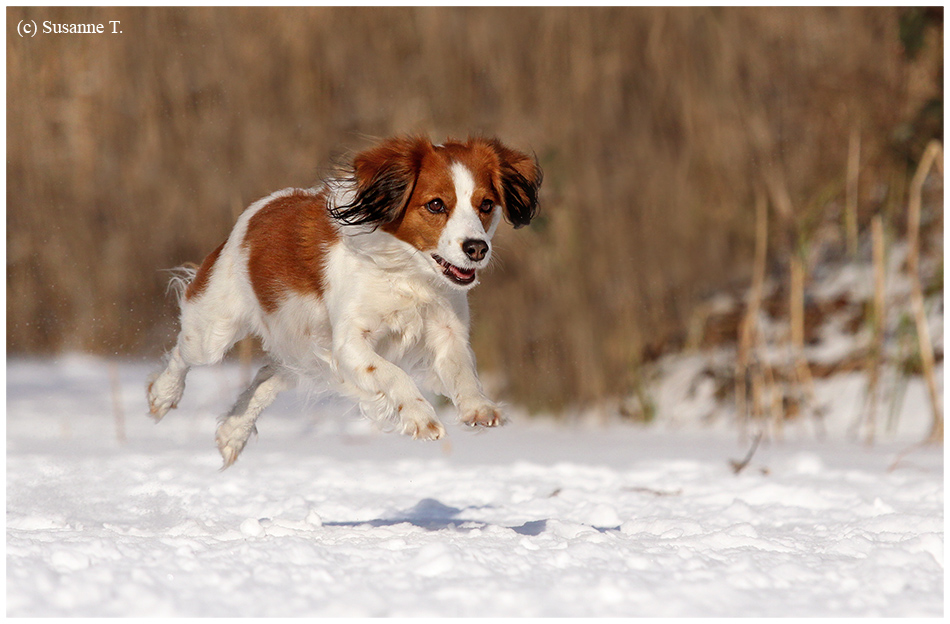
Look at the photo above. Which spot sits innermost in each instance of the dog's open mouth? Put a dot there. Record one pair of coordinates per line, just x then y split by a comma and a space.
460, 276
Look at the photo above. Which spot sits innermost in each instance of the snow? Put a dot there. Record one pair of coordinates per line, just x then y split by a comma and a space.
324, 516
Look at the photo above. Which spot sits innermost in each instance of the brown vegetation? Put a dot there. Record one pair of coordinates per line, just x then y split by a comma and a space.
133, 153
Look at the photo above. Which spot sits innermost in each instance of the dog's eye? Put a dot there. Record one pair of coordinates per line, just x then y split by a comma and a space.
435, 206
487, 206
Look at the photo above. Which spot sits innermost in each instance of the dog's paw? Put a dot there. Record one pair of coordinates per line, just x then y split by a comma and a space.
485, 414
232, 436
163, 393
418, 420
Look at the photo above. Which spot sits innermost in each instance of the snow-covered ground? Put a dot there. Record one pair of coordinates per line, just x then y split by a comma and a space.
322, 515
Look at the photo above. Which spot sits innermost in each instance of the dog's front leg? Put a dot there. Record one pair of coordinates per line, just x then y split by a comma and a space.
383, 389
454, 364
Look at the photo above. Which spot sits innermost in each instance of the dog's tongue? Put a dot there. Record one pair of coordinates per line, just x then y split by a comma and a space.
462, 274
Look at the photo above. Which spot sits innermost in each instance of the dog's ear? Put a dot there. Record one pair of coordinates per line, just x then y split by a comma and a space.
520, 180
383, 178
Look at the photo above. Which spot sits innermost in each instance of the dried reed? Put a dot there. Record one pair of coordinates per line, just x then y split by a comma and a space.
797, 324
878, 317
748, 327
851, 192
932, 154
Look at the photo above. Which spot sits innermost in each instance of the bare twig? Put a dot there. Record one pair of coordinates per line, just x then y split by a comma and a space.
904, 453
738, 466
933, 153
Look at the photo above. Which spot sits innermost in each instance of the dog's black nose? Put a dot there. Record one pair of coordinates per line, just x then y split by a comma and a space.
475, 249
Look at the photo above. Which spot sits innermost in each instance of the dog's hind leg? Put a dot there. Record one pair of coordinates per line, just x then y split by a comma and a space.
211, 322
198, 345
165, 390
235, 428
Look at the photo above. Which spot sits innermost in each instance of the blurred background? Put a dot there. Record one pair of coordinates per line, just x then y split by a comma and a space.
666, 136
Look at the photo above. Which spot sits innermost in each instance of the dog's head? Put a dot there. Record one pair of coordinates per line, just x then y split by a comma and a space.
444, 200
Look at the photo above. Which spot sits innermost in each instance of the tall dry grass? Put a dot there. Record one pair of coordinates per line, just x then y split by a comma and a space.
132, 153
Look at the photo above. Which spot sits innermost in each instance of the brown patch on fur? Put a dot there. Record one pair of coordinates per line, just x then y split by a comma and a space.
197, 285
287, 242
416, 225
370, 369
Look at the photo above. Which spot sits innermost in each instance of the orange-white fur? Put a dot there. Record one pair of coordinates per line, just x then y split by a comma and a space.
359, 281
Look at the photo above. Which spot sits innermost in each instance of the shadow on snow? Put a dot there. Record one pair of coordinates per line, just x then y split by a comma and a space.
432, 515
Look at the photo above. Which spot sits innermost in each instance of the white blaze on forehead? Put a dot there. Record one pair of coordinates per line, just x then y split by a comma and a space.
464, 184
464, 223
